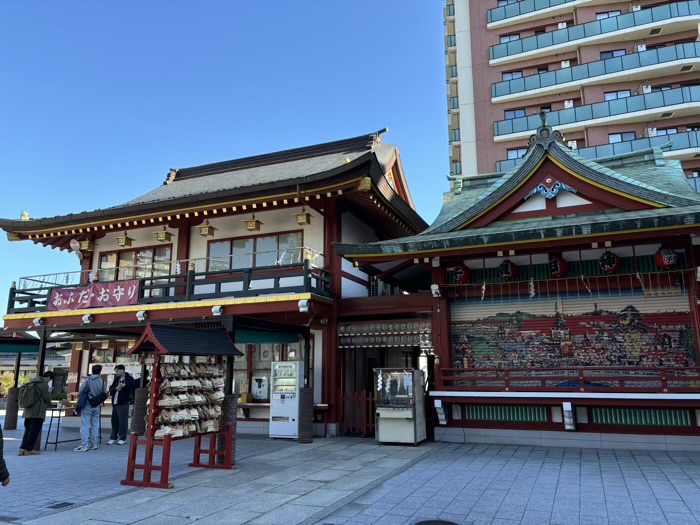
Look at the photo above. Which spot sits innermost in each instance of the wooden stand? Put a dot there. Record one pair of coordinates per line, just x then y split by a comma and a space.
149, 467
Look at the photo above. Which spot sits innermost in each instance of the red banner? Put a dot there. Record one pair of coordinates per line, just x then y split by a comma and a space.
96, 295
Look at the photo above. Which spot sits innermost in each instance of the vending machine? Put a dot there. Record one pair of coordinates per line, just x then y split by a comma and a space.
287, 378
400, 415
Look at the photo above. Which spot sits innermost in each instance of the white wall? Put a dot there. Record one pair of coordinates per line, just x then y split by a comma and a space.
354, 231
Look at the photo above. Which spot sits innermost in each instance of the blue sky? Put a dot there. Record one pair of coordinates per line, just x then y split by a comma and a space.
99, 99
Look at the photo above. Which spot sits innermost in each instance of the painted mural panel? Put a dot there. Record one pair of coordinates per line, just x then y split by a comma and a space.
626, 336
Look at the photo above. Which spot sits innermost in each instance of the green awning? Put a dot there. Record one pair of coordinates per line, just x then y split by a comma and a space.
264, 336
18, 346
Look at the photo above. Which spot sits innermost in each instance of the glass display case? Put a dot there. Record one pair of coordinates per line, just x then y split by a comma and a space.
400, 413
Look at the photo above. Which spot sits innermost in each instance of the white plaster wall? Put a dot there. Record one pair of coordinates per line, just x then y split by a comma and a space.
355, 231
465, 72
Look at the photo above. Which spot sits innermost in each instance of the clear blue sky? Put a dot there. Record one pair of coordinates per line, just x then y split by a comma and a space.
99, 99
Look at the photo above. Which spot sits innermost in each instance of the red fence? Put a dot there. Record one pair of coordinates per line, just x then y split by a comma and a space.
357, 413
571, 379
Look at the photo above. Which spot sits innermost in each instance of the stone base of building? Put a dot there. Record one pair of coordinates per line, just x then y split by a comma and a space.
262, 428
574, 439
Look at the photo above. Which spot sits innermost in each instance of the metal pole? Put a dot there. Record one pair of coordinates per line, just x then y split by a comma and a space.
41, 358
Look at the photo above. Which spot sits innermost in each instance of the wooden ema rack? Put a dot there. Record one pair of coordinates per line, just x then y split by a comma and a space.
148, 467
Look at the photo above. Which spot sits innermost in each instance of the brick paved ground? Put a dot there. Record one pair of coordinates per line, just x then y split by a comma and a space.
351, 481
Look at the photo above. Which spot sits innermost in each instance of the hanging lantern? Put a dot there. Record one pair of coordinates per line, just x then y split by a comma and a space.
665, 258
462, 274
609, 262
557, 267
507, 270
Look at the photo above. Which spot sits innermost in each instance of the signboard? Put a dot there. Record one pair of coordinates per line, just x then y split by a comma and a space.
119, 293
72, 378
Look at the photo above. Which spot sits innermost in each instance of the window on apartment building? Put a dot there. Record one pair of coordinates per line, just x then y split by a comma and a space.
454, 102
607, 14
695, 174
621, 137
453, 71
612, 54
655, 89
454, 135
456, 167
693, 127
504, 39
514, 113
541, 70
540, 32
614, 95
250, 252
501, 3
516, 153
450, 9
451, 40
510, 75
546, 109
666, 131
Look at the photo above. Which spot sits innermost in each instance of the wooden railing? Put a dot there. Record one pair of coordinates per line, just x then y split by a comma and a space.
197, 285
572, 379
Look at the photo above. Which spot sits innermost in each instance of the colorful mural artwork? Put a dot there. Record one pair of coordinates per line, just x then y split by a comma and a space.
626, 338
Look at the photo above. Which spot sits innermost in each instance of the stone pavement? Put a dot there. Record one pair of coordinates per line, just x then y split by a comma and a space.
352, 481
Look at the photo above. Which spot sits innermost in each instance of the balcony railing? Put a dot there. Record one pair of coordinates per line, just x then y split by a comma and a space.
573, 379
608, 66
522, 8
296, 270
610, 108
679, 141
595, 28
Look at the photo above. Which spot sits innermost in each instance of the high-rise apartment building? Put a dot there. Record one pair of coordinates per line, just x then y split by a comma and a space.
613, 76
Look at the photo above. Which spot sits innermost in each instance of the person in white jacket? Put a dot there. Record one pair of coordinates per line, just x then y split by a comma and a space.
92, 388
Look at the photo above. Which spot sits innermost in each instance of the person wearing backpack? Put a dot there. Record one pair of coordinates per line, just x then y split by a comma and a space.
95, 390
34, 398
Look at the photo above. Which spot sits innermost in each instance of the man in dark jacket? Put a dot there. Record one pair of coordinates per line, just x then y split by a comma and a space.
121, 391
4, 474
34, 416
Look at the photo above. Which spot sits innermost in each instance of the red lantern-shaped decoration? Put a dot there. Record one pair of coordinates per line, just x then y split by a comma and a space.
665, 258
462, 274
609, 262
557, 267
507, 270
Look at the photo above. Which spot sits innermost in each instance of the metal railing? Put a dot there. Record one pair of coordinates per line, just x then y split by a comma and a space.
298, 270
596, 27
572, 379
522, 7
610, 108
677, 141
598, 68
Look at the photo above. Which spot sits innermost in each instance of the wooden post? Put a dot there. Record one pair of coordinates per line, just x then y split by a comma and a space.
41, 358
18, 363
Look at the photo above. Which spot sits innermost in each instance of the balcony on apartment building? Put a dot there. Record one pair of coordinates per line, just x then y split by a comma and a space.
532, 8
640, 108
678, 146
666, 18
674, 59
298, 270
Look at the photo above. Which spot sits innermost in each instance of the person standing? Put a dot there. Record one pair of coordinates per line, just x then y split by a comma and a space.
121, 391
34, 415
93, 388
4, 474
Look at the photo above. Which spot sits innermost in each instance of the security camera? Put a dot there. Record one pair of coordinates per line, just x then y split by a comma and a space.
87, 319
303, 305
217, 310
141, 315
435, 290
324, 320
38, 321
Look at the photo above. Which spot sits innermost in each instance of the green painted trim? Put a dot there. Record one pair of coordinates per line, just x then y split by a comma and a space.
515, 414
647, 417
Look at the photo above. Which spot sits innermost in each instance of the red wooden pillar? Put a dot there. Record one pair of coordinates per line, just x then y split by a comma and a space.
331, 371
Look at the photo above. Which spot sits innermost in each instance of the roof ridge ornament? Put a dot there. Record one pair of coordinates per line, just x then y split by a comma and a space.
545, 136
